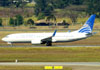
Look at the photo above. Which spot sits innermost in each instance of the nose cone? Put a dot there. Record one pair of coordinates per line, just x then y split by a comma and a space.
3, 39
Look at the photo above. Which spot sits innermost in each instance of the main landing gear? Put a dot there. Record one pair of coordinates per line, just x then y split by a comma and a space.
48, 43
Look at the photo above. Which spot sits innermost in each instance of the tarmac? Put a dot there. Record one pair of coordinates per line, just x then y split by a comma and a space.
51, 63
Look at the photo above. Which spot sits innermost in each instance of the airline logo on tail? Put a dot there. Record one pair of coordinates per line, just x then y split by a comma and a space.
88, 27
85, 29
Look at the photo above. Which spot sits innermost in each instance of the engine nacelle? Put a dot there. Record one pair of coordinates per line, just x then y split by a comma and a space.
53, 39
36, 41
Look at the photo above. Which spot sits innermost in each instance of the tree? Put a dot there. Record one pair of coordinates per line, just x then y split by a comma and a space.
65, 24
5, 2
19, 20
41, 16
20, 3
43, 8
51, 18
30, 22
73, 16
60, 3
12, 22
93, 7
0, 22
40, 6
76, 2
30, 0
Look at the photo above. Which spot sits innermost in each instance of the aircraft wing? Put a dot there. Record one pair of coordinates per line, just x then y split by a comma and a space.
49, 39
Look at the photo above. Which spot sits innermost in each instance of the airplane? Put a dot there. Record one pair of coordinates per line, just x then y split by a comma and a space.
48, 38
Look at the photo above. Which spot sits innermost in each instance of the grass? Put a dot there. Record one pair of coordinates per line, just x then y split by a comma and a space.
21, 68
27, 68
50, 54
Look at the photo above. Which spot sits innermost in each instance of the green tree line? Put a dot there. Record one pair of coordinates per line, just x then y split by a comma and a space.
17, 3
19, 20
45, 7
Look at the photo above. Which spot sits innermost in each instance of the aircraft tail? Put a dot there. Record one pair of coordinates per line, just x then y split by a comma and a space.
88, 26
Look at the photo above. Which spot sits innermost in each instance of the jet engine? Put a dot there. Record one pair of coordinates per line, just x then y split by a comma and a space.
36, 41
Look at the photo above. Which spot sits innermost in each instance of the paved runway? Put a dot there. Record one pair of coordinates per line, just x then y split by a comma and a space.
53, 46
81, 46
52, 63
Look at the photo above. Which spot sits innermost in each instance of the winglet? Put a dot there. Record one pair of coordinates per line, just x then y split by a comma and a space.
54, 33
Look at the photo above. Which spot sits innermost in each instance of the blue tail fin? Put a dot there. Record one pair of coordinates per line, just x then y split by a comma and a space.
88, 26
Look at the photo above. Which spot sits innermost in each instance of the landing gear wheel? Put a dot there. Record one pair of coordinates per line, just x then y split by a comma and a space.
48, 44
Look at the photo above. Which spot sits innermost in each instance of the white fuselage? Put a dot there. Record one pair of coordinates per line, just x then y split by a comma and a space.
47, 38
59, 37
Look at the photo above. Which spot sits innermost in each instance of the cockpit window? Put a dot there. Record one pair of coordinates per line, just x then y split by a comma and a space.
6, 36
